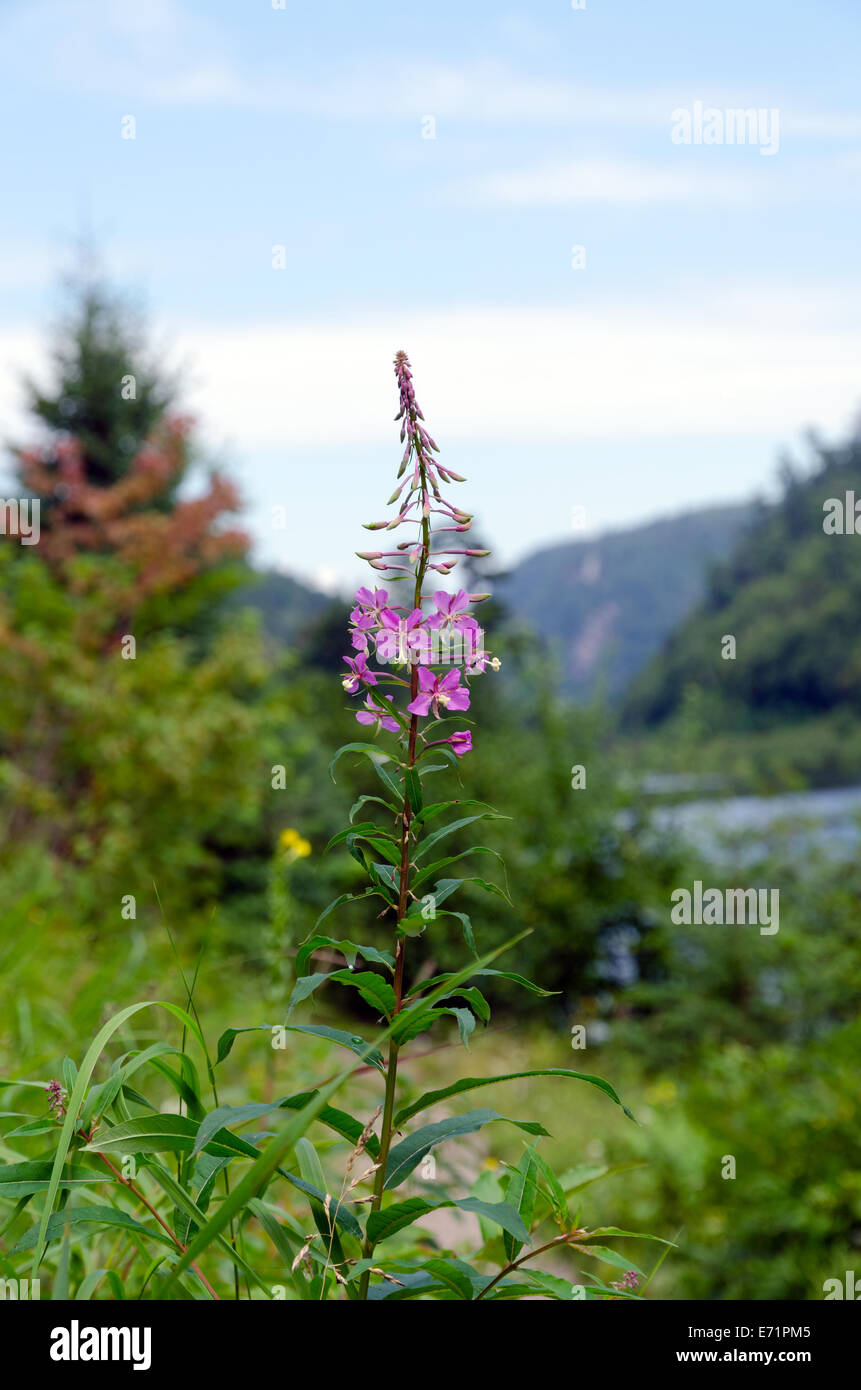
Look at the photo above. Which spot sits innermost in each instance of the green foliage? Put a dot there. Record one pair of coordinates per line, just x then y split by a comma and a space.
604, 606
100, 341
788, 1215
128, 772
788, 594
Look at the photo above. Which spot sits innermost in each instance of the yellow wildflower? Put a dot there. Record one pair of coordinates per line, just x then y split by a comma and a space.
292, 841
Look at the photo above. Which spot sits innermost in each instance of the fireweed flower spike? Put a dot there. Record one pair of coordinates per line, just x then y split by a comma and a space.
417, 653
412, 843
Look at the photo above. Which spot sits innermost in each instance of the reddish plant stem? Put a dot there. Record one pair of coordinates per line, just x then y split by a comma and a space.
150, 1208
403, 904
568, 1239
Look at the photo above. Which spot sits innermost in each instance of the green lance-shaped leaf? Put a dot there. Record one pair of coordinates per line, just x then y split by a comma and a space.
632, 1235
407, 1155
324, 1212
610, 1257
373, 988
390, 852
438, 751
434, 839
454, 1274
415, 923
26, 1179
166, 1134
518, 980
378, 760
552, 1189
551, 1285
408, 1286
414, 790
353, 1043
383, 1224
305, 987
430, 812
473, 1083
225, 1115
91, 1281
357, 805
366, 831
47, 1125
350, 898
388, 877
196, 1216
259, 1173
338, 1120
474, 998
503, 974
76, 1100
574, 1179
520, 1194
433, 869
55, 1226
342, 1214
444, 887
268, 1161
348, 949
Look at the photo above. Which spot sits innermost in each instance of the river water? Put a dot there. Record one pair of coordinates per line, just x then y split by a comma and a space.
829, 821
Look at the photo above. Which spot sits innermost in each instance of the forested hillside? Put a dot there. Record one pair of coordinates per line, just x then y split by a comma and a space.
605, 606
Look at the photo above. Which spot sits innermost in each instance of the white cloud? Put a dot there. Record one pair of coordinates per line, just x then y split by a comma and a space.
608, 181
741, 362
161, 51
725, 365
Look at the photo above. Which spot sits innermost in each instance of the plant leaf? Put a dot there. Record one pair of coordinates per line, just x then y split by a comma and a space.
520, 1194
349, 1040
382, 1224
407, 1155
56, 1226
372, 987
76, 1100
472, 1083
348, 949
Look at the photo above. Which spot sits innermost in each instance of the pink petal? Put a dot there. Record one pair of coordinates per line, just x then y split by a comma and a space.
420, 705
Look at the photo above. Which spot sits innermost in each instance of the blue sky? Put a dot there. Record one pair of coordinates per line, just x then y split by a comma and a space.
716, 317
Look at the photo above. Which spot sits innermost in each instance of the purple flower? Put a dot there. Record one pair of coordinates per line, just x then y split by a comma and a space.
372, 713
359, 668
399, 638
363, 623
436, 691
451, 612
373, 601
461, 742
